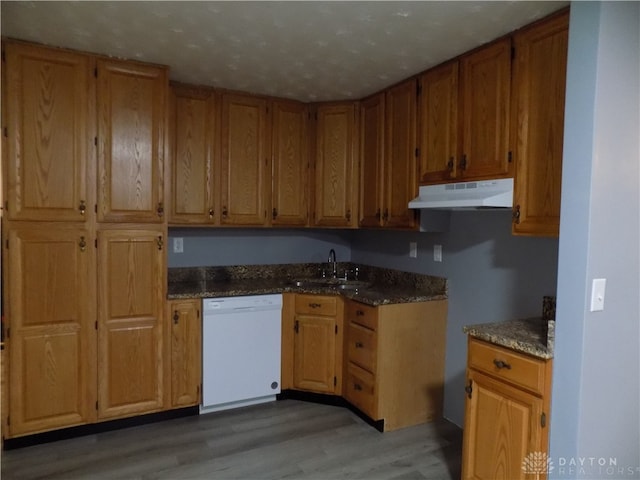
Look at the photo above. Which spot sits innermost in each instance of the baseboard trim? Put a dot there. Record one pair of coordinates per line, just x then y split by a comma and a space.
93, 428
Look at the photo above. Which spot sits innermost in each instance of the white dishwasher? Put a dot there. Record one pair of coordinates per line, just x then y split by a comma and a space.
241, 339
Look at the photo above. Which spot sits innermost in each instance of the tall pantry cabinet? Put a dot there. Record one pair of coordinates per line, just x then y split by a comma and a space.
81, 329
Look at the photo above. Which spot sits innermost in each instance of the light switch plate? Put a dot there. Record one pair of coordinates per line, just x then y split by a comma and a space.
413, 249
437, 253
597, 294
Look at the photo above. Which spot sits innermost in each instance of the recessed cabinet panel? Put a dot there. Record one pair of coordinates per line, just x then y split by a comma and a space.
314, 353
371, 160
244, 160
290, 181
131, 121
192, 156
50, 128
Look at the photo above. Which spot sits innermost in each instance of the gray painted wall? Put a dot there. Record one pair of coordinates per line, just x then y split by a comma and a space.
596, 387
493, 276
208, 246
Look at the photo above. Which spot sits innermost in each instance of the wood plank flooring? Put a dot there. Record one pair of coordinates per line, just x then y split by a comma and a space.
288, 439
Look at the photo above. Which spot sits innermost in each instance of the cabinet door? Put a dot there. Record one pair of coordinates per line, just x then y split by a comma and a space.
502, 427
486, 80
290, 179
540, 70
314, 353
50, 123
130, 304
244, 160
335, 175
400, 185
186, 352
371, 160
192, 156
439, 124
52, 341
131, 128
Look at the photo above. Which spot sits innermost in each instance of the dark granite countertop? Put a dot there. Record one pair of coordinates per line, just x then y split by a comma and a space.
384, 286
533, 336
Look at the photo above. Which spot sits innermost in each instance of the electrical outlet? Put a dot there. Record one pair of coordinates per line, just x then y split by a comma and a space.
437, 253
178, 245
413, 249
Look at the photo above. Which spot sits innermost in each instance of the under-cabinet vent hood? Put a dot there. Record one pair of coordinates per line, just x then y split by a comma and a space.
466, 195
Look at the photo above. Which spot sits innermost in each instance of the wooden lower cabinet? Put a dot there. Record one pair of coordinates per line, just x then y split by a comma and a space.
51, 335
506, 415
185, 352
312, 357
395, 361
131, 283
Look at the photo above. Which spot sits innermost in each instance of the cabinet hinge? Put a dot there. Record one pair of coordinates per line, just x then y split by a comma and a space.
513, 53
6, 132
95, 242
95, 207
335, 381
95, 141
418, 89
96, 405
198, 313
336, 329
509, 157
417, 152
95, 72
96, 324
543, 420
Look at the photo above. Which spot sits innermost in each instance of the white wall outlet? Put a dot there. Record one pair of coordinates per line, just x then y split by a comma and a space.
597, 294
437, 253
178, 245
413, 249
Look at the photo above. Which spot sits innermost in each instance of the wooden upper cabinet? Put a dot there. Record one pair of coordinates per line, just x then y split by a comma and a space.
439, 144
371, 160
131, 129
131, 281
539, 80
50, 127
244, 158
400, 166
336, 181
193, 175
290, 163
485, 88
51, 309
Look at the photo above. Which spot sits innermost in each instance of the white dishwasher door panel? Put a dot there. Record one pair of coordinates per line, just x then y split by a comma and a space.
241, 356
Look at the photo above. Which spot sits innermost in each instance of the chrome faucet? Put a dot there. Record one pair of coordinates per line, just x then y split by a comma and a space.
332, 261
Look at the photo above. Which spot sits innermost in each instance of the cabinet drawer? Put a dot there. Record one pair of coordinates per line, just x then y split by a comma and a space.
362, 347
316, 304
519, 369
361, 391
363, 315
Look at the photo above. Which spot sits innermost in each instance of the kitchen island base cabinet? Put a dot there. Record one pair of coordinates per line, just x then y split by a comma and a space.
506, 415
395, 361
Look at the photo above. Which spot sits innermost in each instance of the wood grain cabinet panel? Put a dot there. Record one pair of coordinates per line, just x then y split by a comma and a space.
52, 337
244, 156
185, 352
506, 411
193, 174
50, 128
439, 147
336, 191
131, 283
539, 81
131, 128
372, 156
485, 88
290, 164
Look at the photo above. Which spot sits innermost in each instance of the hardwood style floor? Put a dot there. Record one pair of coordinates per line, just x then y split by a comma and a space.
288, 439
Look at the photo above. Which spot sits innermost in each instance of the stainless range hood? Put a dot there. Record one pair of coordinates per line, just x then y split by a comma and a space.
466, 195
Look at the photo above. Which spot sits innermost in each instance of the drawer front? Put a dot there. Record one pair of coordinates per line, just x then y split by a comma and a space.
363, 315
361, 347
316, 305
519, 369
360, 390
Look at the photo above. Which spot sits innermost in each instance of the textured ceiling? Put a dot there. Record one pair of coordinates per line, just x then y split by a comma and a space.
311, 51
